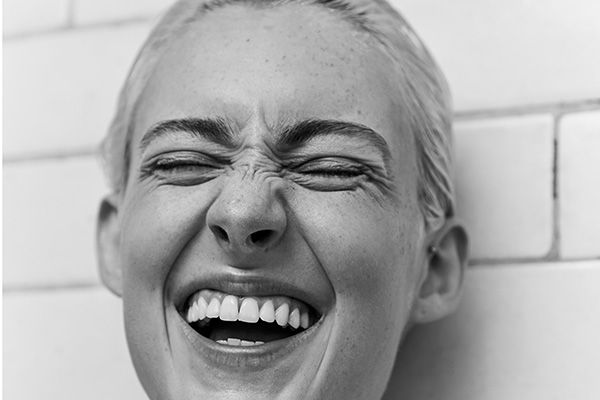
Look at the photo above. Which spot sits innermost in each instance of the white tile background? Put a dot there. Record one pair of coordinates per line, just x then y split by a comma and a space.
25, 16
50, 209
514, 52
579, 184
527, 93
66, 344
504, 169
523, 332
95, 11
62, 88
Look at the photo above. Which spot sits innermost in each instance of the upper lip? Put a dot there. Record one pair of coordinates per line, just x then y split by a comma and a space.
245, 283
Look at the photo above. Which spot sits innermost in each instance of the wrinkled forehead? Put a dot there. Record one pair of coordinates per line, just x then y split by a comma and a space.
285, 64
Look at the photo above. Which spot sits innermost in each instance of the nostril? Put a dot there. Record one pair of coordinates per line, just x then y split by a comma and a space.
220, 233
261, 237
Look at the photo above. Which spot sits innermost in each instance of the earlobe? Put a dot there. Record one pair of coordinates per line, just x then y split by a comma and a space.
107, 244
445, 262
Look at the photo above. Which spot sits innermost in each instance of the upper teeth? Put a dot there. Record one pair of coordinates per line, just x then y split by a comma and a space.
211, 304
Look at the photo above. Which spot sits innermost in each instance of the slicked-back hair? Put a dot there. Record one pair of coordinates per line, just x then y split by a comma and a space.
426, 94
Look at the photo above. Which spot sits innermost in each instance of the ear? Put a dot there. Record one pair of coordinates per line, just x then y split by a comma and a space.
107, 244
445, 263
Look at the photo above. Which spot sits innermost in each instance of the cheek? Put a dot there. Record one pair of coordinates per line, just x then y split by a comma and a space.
156, 227
368, 250
364, 245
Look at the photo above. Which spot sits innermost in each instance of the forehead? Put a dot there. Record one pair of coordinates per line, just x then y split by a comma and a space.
283, 64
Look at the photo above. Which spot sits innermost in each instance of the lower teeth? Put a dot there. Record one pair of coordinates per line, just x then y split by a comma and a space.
239, 342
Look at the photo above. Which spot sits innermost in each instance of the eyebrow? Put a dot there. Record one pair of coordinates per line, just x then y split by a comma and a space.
218, 130
303, 132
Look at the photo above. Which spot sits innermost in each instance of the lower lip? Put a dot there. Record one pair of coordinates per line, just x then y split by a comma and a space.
255, 357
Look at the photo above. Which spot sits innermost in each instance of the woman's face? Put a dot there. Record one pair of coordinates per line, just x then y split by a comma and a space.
270, 235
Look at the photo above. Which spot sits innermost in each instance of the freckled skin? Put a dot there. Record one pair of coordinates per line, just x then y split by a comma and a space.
359, 250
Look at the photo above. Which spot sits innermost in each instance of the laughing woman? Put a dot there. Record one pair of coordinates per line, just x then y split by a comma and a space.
282, 209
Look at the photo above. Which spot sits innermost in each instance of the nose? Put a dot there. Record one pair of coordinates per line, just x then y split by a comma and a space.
248, 215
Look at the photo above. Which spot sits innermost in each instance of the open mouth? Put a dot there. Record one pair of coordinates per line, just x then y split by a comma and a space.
246, 321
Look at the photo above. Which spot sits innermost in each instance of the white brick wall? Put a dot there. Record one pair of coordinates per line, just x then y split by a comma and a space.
523, 332
62, 88
50, 212
514, 52
579, 184
66, 345
96, 11
26, 16
504, 172
524, 78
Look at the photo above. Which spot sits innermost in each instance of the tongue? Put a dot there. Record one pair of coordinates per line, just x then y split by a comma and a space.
263, 331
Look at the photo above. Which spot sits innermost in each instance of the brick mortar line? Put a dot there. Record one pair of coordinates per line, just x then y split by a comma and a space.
556, 234
10, 160
70, 13
557, 109
554, 252
72, 26
51, 287
492, 262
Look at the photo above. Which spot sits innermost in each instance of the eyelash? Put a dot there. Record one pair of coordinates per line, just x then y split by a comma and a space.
171, 165
334, 169
185, 170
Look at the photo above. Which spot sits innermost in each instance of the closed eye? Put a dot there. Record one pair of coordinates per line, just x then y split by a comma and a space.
331, 166
182, 168
330, 173
333, 172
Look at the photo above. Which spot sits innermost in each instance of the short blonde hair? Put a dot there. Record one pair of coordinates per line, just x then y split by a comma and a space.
427, 100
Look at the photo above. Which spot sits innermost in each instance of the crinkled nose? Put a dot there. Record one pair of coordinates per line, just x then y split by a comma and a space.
248, 215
